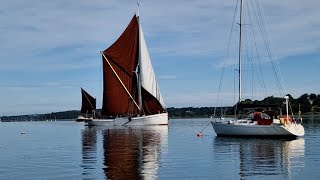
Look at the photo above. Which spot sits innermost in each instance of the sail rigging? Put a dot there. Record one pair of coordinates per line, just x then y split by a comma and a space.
252, 119
129, 83
250, 54
88, 103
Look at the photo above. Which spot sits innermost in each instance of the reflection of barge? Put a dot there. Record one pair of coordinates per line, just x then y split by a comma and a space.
128, 152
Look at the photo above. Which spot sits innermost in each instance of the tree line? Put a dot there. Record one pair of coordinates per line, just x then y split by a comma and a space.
309, 104
306, 103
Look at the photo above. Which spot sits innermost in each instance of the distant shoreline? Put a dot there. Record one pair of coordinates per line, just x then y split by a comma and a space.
174, 117
174, 113
231, 116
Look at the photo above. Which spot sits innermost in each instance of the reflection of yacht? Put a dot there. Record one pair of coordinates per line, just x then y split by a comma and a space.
128, 153
264, 157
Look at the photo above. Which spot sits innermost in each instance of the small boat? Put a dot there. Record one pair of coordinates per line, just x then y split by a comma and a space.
131, 94
82, 118
88, 107
261, 121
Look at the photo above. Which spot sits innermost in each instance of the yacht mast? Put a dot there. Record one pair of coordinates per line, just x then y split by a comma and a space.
240, 54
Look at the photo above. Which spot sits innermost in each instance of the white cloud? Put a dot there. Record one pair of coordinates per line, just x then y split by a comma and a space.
39, 36
175, 27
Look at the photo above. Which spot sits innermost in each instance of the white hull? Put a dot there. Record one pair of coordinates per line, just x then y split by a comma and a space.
155, 119
82, 118
254, 130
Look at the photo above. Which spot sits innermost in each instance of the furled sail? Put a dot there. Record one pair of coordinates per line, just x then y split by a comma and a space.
152, 101
120, 60
88, 103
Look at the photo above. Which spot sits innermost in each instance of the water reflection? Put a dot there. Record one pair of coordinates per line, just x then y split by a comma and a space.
89, 150
263, 157
127, 153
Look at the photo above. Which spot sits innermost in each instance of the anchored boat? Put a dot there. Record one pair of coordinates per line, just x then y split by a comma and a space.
88, 107
259, 120
263, 123
131, 94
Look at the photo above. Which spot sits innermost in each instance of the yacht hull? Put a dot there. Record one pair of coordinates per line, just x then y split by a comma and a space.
155, 119
273, 130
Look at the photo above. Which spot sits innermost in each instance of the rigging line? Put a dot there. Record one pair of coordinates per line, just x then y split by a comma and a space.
205, 127
246, 47
245, 64
262, 82
228, 55
249, 52
249, 64
257, 52
251, 47
264, 34
274, 53
267, 43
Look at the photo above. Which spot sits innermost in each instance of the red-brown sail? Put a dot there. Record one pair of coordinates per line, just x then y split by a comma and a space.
119, 63
150, 104
88, 103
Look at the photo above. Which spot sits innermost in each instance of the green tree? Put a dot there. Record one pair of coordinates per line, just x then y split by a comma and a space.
305, 103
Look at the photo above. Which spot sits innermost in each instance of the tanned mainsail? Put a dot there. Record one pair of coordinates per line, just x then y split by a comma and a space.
88, 103
88, 107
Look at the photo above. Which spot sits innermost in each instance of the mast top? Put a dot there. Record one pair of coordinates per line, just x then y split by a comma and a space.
138, 6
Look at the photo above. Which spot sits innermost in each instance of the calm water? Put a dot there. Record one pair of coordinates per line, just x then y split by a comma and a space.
69, 150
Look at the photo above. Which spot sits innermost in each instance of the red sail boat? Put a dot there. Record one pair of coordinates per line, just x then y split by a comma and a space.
88, 107
131, 94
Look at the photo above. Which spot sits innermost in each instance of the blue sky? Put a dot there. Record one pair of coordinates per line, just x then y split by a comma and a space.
49, 49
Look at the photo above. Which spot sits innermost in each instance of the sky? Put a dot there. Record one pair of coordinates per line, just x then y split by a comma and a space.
49, 49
